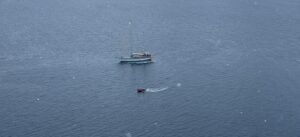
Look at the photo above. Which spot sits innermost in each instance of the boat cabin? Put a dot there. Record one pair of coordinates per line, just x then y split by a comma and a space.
140, 55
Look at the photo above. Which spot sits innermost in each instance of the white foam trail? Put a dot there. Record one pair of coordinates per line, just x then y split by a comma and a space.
156, 89
178, 84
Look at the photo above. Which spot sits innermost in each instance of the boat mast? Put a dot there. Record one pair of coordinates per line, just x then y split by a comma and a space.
130, 35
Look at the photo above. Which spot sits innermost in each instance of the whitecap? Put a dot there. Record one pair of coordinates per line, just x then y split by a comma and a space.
128, 135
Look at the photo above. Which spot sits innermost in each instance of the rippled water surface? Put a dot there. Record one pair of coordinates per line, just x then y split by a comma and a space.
223, 68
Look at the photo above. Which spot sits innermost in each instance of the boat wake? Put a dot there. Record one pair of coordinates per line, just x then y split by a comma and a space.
156, 89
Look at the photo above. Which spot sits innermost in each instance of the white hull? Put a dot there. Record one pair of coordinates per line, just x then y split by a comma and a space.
134, 60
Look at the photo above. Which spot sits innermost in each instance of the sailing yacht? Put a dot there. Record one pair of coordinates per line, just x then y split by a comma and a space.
138, 58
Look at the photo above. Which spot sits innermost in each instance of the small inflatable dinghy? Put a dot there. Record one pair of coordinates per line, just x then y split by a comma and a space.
140, 90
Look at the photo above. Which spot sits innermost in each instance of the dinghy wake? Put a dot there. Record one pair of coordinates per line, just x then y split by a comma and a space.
153, 90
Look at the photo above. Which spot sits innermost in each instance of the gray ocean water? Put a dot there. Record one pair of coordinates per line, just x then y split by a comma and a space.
223, 68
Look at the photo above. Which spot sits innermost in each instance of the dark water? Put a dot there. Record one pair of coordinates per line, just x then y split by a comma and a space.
232, 68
